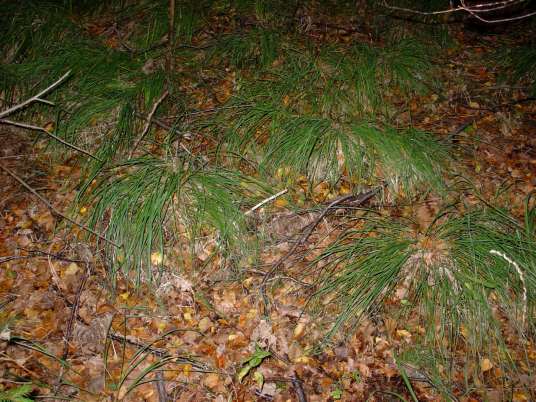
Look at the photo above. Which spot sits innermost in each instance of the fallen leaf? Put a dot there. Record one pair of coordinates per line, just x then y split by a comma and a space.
212, 380
485, 365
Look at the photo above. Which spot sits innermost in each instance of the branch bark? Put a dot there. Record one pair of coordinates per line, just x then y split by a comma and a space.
35, 98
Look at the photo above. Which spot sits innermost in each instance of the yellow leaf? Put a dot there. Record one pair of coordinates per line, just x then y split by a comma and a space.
485, 365
72, 269
157, 258
281, 203
520, 396
161, 326
402, 333
302, 359
124, 296
186, 369
299, 330
474, 105
49, 127
83, 210
286, 100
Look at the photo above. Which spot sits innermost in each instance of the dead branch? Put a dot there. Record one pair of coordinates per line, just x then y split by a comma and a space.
44, 130
74, 312
35, 98
521, 278
54, 210
475, 10
298, 388
148, 122
265, 201
357, 200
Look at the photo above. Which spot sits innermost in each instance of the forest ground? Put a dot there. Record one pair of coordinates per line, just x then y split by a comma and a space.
71, 331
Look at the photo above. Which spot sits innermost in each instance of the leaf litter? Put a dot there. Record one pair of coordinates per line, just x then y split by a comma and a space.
206, 332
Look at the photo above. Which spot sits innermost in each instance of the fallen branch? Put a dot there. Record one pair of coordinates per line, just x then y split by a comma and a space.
54, 210
474, 10
44, 130
298, 388
74, 312
357, 200
35, 98
162, 353
148, 122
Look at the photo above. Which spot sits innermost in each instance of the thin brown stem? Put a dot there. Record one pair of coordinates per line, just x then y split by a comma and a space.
54, 210
35, 98
148, 122
42, 129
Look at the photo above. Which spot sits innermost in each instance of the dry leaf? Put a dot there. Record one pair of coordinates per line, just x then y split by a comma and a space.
485, 365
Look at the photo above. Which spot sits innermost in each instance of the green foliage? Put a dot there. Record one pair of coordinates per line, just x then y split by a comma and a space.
304, 111
297, 106
18, 394
523, 62
253, 361
446, 275
257, 47
133, 375
135, 201
518, 64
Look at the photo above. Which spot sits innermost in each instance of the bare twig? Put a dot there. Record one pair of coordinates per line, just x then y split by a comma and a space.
357, 200
265, 201
171, 36
156, 121
74, 312
54, 210
475, 10
161, 387
35, 98
44, 130
521, 278
298, 388
161, 353
8, 299
148, 122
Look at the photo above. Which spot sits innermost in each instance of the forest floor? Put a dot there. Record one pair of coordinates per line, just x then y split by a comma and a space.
72, 333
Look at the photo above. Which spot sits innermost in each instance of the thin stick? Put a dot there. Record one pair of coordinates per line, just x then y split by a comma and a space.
474, 10
298, 388
521, 277
54, 210
171, 36
357, 200
42, 129
267, 200
74, 312
161, 387
36, 98
148, 122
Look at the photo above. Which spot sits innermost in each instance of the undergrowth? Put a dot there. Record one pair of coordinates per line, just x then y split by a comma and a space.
292, 107
448, 280
297, 108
